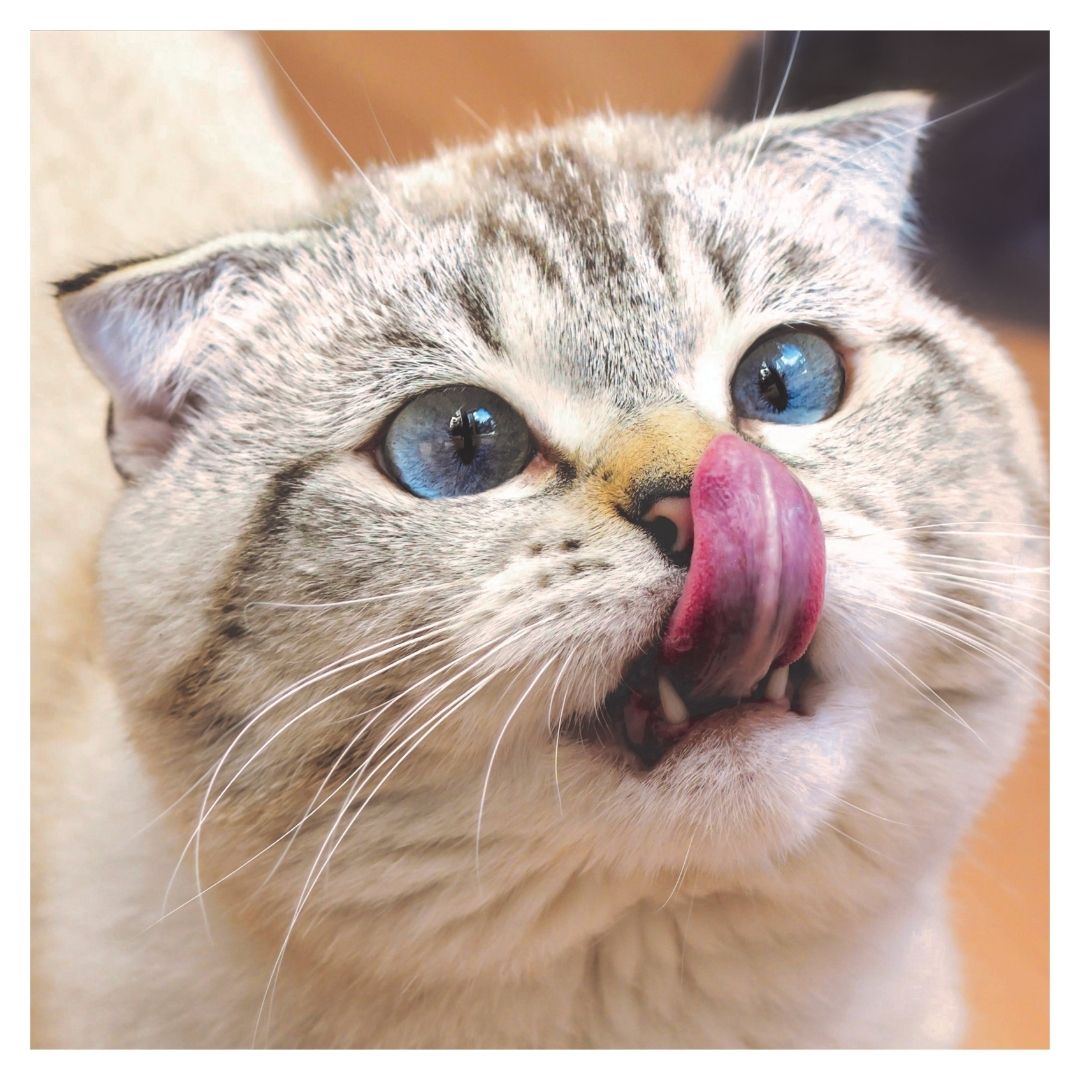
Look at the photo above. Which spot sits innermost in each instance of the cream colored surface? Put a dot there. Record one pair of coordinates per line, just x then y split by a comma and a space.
141, 142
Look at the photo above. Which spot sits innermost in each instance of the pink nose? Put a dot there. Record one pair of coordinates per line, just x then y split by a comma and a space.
756, 583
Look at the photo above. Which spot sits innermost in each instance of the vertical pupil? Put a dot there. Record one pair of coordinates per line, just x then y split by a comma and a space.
773, 388
466, 428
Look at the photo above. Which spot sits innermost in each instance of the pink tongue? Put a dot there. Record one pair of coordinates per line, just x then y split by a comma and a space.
756, 583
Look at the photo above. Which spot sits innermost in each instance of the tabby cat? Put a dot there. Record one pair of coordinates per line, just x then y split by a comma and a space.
573, 592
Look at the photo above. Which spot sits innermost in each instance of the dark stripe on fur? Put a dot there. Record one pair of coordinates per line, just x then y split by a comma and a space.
189, 696
95, 274
494, 233
566, 187
724, 273
479, 311
401, 337
653, 213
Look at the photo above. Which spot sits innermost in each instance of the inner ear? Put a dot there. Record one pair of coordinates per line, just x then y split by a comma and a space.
139, 439
152, 331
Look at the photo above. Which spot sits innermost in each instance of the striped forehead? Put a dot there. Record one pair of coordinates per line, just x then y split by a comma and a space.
580, 280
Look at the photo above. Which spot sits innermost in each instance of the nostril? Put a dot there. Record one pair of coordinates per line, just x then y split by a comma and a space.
669, 522
664, 531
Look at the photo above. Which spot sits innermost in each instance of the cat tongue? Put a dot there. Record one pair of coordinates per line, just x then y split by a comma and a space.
756, 582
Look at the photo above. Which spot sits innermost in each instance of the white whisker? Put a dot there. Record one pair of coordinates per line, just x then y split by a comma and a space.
924, 125
559, 723
314, 875
410, 639
405, 750
955, 634
495, 750
992, 616
681, 874
760, 75
776, 104
925, 691
379, 195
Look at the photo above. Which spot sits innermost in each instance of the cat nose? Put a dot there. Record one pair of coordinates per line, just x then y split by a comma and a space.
671, 525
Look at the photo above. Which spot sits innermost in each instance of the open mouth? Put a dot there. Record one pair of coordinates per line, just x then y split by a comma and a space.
734, 641
648, 713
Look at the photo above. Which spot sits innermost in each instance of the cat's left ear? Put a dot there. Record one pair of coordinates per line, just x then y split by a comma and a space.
865, 150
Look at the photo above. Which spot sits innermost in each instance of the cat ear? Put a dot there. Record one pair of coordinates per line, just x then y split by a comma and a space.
865, 150
149, 328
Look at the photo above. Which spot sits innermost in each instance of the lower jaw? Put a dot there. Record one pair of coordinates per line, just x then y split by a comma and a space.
729, 721
666, 741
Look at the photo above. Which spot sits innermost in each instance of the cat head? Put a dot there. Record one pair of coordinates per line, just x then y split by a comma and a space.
418, 496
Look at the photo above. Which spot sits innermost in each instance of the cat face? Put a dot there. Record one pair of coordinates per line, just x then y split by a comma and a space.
418, 499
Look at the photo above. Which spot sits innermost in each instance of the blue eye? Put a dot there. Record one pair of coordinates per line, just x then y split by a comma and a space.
789, 377
457, 440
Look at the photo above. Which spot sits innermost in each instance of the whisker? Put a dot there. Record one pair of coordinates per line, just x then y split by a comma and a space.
379, 195
316, 804
562, 712
958, 635
468, 110
314, 875
928, 693
990, 535
682, 872
798, 778
1037, 532
410, 638
495, 750
962, 605
1011, 568
854, 840
395, 727
405, 750
760, 75
991, 586
926, 124
776, 104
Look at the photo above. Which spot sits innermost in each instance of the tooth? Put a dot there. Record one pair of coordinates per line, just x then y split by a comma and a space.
675, 711
776, 686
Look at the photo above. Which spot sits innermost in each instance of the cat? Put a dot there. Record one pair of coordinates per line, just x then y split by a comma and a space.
568, 593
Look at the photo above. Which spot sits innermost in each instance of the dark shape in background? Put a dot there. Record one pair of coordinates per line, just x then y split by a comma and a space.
983, 186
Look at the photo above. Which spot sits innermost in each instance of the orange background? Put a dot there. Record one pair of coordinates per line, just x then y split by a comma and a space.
395, 96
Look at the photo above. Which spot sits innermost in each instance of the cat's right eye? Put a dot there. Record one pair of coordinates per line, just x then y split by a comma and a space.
457, 440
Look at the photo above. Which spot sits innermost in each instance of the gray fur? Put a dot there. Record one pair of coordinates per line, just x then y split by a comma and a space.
594, 275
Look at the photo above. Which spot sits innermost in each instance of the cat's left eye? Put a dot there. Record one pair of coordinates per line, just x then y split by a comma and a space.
790, 376
456, 440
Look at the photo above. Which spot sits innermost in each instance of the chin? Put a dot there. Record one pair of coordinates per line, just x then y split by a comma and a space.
735, 790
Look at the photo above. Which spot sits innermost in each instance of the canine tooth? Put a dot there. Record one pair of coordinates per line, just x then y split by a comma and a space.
675, 711
776, 687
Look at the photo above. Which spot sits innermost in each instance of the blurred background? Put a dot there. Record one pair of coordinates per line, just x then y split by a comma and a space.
983, 192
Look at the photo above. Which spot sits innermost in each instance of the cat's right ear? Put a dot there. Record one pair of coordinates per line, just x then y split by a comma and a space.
150, 330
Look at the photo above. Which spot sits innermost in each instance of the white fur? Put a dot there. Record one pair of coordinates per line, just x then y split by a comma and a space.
773, 885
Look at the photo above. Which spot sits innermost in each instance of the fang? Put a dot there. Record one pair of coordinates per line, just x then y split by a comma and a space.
776, 687
675, 710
